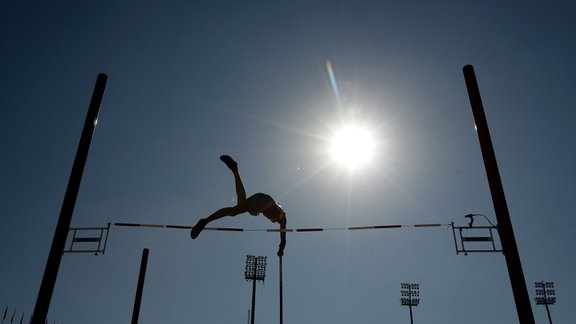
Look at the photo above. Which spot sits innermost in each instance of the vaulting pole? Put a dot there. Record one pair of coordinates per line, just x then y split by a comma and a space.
61, 233
140, 287
281, 294
515, 272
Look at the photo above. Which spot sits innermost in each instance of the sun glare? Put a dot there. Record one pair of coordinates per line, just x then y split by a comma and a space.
352, 146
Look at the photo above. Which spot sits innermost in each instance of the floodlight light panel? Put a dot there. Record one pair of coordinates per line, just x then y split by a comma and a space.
539, 300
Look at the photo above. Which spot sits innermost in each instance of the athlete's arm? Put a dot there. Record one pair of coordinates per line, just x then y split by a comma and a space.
282, 237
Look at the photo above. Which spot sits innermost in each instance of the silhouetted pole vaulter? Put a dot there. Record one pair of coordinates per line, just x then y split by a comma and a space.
140, 287
61, 233
509, 248
256, 204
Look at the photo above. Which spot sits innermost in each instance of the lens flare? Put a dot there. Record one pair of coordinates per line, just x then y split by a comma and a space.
352, 146
333, 82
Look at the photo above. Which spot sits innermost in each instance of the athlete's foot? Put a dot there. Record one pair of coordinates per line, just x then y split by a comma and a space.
230, 163
198, 228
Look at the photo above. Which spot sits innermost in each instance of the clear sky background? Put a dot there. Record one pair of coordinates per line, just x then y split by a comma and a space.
190, 80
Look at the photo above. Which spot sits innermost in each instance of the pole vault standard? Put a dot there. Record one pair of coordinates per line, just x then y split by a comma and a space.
515, 272
61, 233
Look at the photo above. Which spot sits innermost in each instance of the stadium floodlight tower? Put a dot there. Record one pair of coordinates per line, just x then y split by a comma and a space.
410, 296
255, 270
545, 295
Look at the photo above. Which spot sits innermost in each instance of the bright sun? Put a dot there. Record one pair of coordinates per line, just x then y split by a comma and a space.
352, 146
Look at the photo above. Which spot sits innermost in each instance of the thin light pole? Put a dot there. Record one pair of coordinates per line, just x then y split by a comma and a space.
140, 287
509, 247
253, 300
59, 242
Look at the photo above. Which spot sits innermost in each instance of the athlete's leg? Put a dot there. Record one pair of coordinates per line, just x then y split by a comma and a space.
223, 212
240, 191
227, 211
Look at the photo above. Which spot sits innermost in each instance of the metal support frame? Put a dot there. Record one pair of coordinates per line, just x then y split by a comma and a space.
474, 239
101, 239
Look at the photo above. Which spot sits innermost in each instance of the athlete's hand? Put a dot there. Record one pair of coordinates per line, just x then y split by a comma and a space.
281, 249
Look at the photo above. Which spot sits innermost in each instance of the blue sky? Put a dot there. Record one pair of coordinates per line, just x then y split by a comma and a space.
190, 80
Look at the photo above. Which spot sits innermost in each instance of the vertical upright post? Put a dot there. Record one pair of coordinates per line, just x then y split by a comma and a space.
411, 318
515, 272
61, 233
140, 287
281, 294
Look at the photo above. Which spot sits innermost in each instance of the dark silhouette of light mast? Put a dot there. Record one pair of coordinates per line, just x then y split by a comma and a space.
507, 239
410, 296
255, 270
545, 296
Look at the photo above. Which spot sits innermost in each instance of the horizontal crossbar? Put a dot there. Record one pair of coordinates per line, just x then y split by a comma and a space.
277, 230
